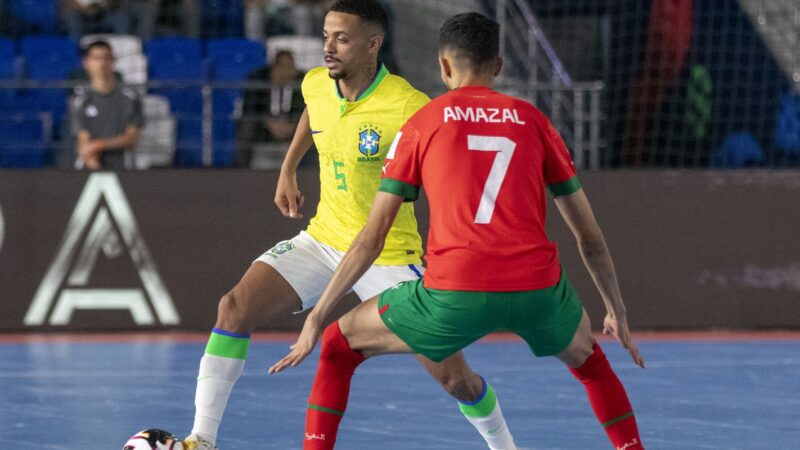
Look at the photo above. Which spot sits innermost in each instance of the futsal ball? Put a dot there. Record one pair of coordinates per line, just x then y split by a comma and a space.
153, 439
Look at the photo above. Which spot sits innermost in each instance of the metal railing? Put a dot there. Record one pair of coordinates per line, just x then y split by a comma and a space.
541, 78
57, 124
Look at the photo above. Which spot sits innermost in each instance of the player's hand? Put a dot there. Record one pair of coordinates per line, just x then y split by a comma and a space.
618, 327
312, 330
88, 150
288, 197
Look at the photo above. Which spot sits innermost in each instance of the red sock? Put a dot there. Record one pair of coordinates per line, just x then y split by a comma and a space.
609, 401
331, 389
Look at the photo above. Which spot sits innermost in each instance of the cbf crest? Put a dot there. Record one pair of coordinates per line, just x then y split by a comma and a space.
279, 249
369, 142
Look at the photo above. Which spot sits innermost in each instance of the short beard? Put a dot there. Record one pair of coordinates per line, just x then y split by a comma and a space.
340, 75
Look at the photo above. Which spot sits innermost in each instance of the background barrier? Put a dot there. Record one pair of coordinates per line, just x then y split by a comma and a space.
156, 249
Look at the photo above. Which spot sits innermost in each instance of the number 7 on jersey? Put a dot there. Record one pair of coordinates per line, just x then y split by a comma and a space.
504, 148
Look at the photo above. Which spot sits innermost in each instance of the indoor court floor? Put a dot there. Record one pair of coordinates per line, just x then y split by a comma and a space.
699, 391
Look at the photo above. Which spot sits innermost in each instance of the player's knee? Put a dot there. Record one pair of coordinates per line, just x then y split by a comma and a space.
232, 314
330, 341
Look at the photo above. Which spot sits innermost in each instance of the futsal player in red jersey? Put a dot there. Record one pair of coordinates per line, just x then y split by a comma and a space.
484, 159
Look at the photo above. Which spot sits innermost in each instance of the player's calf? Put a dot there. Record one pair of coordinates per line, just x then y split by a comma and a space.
331, 389
609, 401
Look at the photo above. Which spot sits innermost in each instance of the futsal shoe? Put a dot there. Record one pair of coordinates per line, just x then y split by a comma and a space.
195, 442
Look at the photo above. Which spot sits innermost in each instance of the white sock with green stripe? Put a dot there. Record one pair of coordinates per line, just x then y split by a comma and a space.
485, 415
220, 368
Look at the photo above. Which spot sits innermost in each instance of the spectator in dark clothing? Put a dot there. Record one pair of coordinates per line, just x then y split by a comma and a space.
270, 113
107, 116
95, 16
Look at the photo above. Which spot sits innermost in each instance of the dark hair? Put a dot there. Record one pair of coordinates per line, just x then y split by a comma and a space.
96, 44
472, 37
370, 11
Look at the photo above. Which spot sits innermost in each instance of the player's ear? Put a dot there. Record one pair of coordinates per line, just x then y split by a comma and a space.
444, 64
498, 65
375, 43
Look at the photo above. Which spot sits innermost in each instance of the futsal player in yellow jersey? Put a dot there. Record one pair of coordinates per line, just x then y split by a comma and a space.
352, 138
354, 108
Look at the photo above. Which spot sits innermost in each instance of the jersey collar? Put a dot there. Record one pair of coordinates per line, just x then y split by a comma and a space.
376, 81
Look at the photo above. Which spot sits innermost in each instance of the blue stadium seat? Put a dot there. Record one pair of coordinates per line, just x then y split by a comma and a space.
232, 59
177, 59
189, 143
8, 71
224, 142
173, 50
224, 102
738, 150
7, 49
788, 131
189, 70
35, 16
222, 18
23, 142
49, 58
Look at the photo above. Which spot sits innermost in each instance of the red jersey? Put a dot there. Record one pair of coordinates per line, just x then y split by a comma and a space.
484, 159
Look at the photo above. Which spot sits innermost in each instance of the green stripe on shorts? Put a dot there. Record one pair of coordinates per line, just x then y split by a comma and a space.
227, 346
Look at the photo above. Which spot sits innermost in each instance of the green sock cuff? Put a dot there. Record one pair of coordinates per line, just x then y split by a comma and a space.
235, 347
481, 407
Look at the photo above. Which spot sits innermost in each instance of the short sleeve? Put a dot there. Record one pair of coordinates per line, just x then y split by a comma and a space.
559, 170
414, 103
401, 169
308, 85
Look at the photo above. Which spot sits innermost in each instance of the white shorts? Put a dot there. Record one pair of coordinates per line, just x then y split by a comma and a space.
308, 266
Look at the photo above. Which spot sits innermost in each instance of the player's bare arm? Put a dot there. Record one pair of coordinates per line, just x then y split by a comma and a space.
125, 141
577, 213
288, 197
365, 249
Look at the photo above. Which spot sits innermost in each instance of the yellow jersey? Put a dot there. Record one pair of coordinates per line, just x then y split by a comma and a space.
352, 139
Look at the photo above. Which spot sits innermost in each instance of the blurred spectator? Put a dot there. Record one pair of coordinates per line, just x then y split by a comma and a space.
177, 17
265, 18
107, 116
151, 18
144, 14
95, 16
270, 113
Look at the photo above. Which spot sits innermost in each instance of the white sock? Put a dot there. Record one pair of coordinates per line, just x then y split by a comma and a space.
494, 430
215, 380
486, 416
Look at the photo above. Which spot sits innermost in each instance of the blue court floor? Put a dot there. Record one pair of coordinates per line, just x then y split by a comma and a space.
693, 395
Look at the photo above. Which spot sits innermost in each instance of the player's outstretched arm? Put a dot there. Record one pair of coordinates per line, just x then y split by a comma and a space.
288, 197
364, 250
577, 212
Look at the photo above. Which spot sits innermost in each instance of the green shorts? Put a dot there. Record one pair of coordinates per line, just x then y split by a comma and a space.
437, 323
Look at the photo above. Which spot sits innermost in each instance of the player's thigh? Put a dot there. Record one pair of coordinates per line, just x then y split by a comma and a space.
366, 332
547, 319
379, 278
435, 323
581, 346
304, 264
261, 293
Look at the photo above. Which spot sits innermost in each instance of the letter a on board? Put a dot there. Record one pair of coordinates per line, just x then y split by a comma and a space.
101, 222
